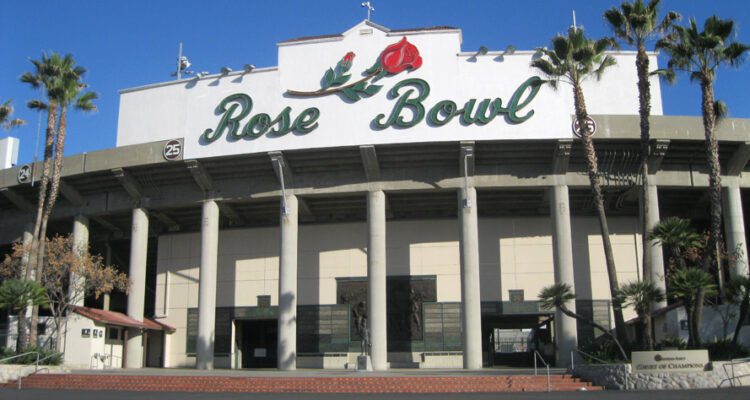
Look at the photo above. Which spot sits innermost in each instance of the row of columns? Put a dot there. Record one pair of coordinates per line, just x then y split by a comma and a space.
565, 327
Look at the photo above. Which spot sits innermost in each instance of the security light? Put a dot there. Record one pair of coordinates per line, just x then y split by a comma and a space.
482, 51
225, 70
248, 67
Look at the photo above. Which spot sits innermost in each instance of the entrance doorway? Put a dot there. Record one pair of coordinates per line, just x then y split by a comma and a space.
256, 343
510, 340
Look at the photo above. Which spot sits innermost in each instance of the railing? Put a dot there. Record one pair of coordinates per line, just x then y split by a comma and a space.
732, 363
36, 367
583, 353
539, 356
21, 355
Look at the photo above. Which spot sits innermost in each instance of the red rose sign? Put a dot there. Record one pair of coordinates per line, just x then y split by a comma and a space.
394, 59
400, 56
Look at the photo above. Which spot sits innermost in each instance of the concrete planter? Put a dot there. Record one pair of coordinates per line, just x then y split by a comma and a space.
617, 376
9, 372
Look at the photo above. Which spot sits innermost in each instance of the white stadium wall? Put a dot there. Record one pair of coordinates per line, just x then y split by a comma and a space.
515, 253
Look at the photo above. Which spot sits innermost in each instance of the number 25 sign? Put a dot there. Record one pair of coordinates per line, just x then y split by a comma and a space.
172, 150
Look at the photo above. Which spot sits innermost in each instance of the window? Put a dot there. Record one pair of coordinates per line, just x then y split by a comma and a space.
114, 333
516, 296
41, 329
264, 301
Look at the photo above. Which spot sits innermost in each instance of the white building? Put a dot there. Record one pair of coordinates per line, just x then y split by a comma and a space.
277, 209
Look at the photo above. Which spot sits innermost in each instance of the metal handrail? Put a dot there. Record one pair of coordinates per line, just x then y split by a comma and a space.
36, 367
583, 353
537, 355
734, 362
21, 355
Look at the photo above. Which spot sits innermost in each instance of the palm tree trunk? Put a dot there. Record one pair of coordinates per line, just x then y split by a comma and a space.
712, 157
593, 323
644, 110
21, 340
691, 316
648, 331
593, 171
36, 255
744, 305
58, 164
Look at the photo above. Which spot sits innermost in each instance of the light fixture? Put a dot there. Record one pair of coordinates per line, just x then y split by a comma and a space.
482, 51
509, 50
225, 70
248, 67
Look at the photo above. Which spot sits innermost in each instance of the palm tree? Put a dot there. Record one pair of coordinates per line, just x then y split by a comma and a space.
636, 23
555, 296
641, 295
690, 286
60, 78
738, 291
16, 295
700, 54
676, 235
6, 112
573, 59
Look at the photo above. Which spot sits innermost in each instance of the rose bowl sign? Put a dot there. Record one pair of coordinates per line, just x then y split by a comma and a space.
410, 95
669, 361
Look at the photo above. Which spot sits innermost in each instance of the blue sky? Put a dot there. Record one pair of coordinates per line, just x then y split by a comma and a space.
126, 44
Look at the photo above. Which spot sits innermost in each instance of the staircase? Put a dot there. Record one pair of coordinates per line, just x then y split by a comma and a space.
305, 384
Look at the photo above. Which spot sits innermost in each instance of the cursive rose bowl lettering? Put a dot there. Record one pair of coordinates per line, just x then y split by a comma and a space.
415, 92
236, 107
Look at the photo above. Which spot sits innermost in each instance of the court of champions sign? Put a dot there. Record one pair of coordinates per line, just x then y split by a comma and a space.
669, 361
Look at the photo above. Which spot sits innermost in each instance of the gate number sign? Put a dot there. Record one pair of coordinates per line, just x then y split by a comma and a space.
24, 174
589, 127
172, 150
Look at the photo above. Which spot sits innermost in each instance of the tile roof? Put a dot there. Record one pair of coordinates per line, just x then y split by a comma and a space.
120, 319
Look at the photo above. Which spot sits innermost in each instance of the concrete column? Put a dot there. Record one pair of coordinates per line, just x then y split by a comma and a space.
566, 333
657, 253
287, 345
376, 280
734, 228
207, 286
136, 296
471, 308
76, 291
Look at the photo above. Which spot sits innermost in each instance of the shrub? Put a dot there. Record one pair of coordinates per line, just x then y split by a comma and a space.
31, 358
722, 350
605, 349
673, 342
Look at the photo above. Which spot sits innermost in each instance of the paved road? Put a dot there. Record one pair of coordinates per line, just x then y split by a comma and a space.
46, 394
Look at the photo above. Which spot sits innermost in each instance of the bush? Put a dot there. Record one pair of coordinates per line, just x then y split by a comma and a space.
31, 358
723, 350
605, 349
673, 342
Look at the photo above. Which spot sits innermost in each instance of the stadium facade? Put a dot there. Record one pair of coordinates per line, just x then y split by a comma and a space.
378, 187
